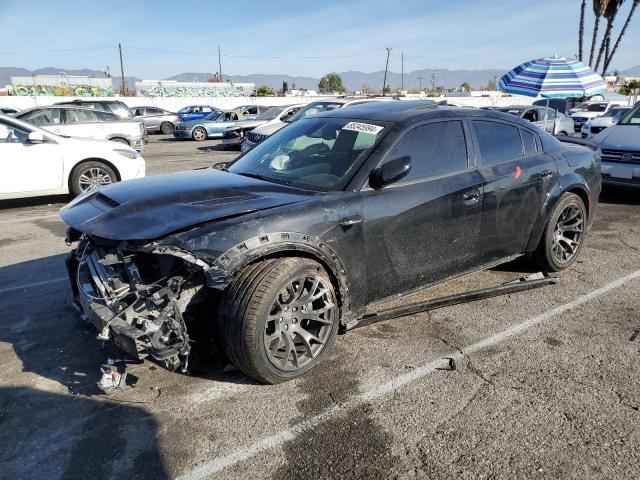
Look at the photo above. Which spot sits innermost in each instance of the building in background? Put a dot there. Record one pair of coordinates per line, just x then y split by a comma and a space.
61, 86
173, 88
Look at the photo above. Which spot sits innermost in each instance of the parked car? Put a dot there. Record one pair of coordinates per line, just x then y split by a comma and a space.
36, 162
279, 119
156, 119
301, 234
196, 112
542, 117
8, 111
596, 125
236, 135
214, 125
86, 123
589, 110
251, 111
116, 107
566, 105
619, 147
326, 105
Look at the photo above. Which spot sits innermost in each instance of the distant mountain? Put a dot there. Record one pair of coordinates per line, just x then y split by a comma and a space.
7, 72
631, 72
356, 80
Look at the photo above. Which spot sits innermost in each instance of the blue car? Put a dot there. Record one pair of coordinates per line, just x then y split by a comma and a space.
214, 125
196, 112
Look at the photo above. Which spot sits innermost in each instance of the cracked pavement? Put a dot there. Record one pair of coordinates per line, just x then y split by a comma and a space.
558, 400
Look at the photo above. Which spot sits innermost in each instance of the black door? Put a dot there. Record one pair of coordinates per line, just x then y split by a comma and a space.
518, 177
425, 227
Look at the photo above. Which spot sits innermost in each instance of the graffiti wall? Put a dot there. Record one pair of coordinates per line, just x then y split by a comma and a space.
59, 91
150, 88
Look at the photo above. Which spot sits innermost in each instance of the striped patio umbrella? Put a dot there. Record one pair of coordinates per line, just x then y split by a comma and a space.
552, 77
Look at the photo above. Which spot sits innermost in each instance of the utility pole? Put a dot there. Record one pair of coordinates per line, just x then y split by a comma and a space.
219, 65
123, 86
420, 79
386, 68
402, 71
433, 82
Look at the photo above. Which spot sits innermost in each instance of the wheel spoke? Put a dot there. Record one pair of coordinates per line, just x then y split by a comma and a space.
307, 337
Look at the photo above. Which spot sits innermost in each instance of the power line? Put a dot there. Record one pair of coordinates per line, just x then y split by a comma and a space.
61, 50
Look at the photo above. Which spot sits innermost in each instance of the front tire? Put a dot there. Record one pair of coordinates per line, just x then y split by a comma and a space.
199, 134
563, 236
279, 319
91, 175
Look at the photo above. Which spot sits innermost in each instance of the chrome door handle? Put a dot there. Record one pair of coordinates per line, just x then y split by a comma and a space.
471, 198
349, 221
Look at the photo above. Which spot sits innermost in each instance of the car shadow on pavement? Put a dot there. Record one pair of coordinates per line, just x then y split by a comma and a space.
46, 435
35, 201
620, 195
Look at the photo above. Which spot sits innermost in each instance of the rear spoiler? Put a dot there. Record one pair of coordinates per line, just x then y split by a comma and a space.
578, 141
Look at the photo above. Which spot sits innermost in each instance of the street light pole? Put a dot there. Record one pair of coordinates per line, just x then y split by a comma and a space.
386, 68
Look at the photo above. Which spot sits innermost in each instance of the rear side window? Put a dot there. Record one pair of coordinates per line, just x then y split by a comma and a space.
80, 116
436, 149
529, 142
497, 141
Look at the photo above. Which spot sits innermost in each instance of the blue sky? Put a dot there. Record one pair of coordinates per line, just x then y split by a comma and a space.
343, 35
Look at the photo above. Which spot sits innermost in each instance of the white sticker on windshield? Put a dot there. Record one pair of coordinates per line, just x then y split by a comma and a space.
363, 127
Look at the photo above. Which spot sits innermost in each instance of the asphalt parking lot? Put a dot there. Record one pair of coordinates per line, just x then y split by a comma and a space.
545, 384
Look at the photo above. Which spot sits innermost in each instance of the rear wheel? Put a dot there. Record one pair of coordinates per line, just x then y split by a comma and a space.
166, 128
279, 319
91, 175
199, 134
563, 235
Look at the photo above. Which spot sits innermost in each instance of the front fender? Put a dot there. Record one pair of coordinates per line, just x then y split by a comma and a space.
231, 262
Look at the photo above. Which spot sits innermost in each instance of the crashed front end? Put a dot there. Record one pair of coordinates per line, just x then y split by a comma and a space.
137, 296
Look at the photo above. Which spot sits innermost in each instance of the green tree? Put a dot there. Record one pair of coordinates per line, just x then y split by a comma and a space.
465, 86
331, 83
264, 91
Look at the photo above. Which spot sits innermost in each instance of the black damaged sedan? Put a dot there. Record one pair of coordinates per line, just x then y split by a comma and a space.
268, 258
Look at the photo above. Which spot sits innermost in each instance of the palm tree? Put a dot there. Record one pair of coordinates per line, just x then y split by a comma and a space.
611, 10
583, 7
599, 7
609, 57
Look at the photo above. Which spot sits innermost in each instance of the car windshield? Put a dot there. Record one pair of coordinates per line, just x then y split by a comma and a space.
616, 112
316, 153
597, 107
215, 116
121, 110
270, 114
631, 118
313, 108
185, 110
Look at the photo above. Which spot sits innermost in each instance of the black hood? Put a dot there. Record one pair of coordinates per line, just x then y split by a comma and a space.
152, 207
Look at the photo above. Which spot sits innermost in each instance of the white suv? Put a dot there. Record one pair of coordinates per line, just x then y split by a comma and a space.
36, 162
86, 123
588, 110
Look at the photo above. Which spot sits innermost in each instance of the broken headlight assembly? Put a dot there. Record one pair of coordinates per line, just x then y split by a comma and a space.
136, 298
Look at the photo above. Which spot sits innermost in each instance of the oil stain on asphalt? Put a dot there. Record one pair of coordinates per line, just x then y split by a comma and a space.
348, 446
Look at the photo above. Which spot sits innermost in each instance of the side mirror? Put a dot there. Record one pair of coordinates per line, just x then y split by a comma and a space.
390, 172
221, 166
37, 137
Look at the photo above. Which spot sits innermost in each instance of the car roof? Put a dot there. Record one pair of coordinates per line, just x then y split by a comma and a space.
409, 111
61, 107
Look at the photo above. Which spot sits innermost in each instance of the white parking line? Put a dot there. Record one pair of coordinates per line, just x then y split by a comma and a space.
31, 285
28, 219
272, 441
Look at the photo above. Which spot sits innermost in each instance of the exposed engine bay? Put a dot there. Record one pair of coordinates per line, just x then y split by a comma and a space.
137, 297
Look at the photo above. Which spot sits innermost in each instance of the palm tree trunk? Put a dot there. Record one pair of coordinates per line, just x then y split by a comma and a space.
583, 7
594, 39
607, 34
609, 57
